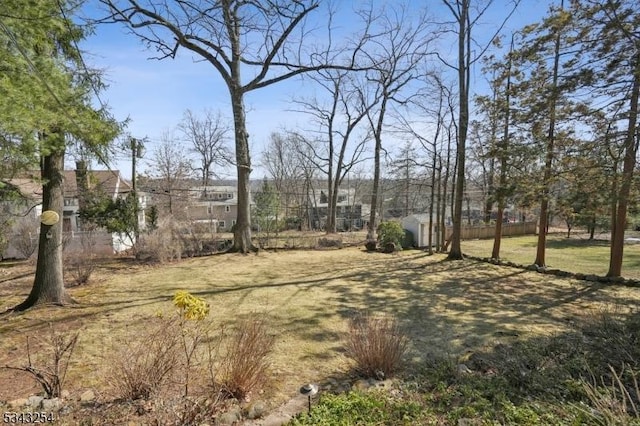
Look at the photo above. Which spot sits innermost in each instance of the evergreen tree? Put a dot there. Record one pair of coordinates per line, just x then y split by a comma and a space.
46, 105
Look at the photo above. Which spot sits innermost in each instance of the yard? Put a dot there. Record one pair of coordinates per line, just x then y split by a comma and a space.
577, 254
449, 310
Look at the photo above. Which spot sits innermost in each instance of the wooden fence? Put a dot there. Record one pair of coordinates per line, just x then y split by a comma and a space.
488, 231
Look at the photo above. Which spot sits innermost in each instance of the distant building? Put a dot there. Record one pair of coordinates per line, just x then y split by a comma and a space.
351, 214
214, 206
29, 204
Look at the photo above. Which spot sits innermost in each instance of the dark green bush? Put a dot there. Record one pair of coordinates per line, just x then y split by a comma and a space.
390, 232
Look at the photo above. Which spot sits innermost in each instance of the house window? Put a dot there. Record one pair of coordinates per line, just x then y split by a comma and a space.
233, 223
229, 196
209, 210
219, 196
227, 209
221, 224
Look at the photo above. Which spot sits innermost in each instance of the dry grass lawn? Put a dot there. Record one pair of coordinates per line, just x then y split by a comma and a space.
575, 254
447, 308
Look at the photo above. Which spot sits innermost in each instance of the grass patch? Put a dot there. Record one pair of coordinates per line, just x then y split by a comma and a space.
576, 254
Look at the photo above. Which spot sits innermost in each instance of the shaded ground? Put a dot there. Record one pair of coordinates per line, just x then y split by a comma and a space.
447, 308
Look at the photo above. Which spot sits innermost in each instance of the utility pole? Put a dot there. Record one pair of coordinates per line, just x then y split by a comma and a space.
136, 152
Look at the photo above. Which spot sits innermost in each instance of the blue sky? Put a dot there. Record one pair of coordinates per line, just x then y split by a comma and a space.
154, 94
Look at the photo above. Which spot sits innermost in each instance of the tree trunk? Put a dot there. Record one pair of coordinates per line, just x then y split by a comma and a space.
445, 188
376, 171
48, 285
371, 229
548, 165
504, 153
463, 119
628, 166
497, 238
242, 234
431, 203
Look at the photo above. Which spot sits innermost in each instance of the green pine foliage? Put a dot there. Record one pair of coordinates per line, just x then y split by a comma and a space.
115, 215
45, 85
267, 207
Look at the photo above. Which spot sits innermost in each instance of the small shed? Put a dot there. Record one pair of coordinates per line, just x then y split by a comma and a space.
418, 225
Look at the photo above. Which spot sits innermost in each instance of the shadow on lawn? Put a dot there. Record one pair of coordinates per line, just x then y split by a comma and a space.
445, 307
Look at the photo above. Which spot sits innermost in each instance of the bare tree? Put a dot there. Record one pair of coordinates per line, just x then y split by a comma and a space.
462, 11
398, 52
250, 44
171, 167
286, 167
338, 146
434, 105
207, 135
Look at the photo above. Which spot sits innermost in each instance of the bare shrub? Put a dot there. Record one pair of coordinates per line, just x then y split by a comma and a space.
145, 363
376, 344
51, 370
330, 243
25, 239
81, 264
162, 244
244, 366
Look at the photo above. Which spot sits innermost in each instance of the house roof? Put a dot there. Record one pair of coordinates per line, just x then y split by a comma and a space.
215, 188
418, 217
29, 188
108, 181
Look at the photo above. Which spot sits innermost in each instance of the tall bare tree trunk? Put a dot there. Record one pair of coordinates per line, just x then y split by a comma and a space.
628, 166
464, 53
48, 286
371, 229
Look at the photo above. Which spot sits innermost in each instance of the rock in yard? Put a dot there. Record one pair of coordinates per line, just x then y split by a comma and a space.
463, 369
255, 410
34, 401
228, 418
53, 404
361, 384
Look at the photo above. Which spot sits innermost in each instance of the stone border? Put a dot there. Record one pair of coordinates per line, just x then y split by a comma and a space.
627, 282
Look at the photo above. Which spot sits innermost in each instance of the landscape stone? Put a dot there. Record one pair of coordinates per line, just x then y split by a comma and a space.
228, 418
255, 410
463, 369
53, 404
361, 384
34, 401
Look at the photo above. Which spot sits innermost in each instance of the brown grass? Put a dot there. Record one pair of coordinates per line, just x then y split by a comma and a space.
445, 308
